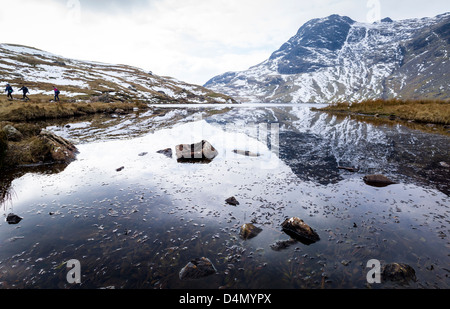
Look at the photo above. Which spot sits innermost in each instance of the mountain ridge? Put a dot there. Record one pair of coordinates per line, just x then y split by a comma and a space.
83, 80
335, 59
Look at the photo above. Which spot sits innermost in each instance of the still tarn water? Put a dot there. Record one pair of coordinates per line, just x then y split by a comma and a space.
137, 228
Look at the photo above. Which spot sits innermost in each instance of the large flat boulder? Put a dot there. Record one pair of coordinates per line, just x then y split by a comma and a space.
202, 152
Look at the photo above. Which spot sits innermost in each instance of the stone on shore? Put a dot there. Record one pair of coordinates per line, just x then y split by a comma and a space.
12, 134
60, 149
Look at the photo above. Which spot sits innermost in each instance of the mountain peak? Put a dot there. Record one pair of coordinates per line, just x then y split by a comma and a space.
336, 58
329, 33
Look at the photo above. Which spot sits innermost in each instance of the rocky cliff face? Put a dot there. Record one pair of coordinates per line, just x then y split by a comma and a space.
86, 80
336, 58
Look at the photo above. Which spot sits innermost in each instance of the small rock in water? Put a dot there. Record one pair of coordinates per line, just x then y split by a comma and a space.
299, 230
398, 272
345, 262
232, 201
444, 164
167, 152
350, 169
249, 231
378, 180
282, 244
13, 219
197, 268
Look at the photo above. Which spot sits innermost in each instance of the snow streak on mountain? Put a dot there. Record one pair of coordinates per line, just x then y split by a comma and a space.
338, 59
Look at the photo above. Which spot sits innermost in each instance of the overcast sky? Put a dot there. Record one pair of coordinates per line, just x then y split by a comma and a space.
191, 40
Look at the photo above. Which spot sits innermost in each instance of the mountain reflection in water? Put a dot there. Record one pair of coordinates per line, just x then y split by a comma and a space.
138, 226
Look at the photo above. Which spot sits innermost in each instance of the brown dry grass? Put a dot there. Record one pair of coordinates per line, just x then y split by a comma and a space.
426, 111
39, 108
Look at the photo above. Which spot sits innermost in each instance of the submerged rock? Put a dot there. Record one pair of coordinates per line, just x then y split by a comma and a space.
299, 230
202, 152
167, 152
13, 219
282, 244
232, 201
378, 180
197, 268
248, 231
398, 272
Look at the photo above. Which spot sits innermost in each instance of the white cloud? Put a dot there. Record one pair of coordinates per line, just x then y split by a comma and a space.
192, 40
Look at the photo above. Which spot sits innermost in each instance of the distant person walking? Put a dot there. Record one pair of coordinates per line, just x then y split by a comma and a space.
25, 91
56, 94
9, 91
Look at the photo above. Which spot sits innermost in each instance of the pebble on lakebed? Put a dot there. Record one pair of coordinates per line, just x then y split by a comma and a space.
197, 268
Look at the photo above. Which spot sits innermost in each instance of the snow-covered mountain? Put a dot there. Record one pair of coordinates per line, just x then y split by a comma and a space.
83, 80
338, 59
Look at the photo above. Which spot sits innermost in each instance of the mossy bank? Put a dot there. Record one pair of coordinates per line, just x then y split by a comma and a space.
23, 144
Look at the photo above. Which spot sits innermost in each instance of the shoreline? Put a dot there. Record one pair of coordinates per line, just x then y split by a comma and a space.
436, 112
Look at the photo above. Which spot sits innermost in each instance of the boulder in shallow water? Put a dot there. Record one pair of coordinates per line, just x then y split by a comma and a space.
197, 268
299, 230
398, 272
248, 231
202, 152
378, 181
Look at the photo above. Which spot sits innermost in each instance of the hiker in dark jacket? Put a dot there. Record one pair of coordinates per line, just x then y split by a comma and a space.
9, 90
25, 91
56, 94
